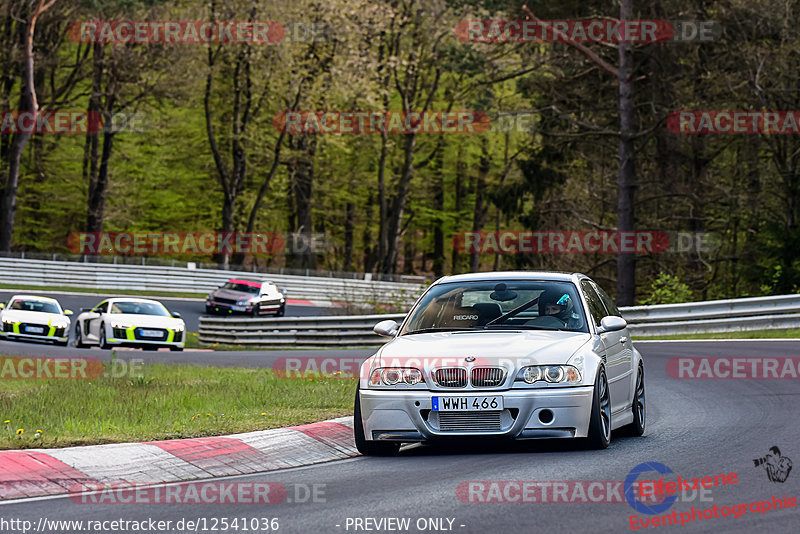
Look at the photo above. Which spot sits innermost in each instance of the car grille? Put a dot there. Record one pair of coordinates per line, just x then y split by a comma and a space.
137, 333
451, 377
8, 327
488, 376
59, 332
178, 337
23, 328
219, 300
469, 421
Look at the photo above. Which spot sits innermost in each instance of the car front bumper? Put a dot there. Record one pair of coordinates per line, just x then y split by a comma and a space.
50, 334
393, 415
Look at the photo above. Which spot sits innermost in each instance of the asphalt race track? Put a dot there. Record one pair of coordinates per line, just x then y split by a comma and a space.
190, 309
698, 428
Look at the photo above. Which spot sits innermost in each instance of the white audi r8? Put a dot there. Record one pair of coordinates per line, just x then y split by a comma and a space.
521, 355
28, 317
130, 322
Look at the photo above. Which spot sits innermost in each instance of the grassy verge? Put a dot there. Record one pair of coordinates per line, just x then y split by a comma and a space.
755, 334
136, 292
163, 402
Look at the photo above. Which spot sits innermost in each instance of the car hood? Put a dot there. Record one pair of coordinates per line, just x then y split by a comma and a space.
507, 348
153, 321
22, 316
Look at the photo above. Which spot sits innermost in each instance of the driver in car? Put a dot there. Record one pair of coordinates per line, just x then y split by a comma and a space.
560, 306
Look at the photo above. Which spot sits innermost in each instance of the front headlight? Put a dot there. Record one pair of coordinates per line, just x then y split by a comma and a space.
180, 328
390, 376
554, 374
7, 321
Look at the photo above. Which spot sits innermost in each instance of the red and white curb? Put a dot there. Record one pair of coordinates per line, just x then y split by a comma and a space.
38, 472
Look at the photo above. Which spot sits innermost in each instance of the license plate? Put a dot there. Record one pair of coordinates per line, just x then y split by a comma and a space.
467, 404
150, 333
239, 308
34, 329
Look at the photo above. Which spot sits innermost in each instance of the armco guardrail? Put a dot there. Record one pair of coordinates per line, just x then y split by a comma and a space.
761, 313
180, 279
299, 332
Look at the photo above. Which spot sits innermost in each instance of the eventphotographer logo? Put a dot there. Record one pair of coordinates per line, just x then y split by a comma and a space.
777, 467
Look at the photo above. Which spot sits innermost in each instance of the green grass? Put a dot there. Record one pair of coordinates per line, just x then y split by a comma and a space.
755, 334
136, 292
163, 402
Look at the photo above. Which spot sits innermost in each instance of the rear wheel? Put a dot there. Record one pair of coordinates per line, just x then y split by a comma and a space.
600, 420
370, 448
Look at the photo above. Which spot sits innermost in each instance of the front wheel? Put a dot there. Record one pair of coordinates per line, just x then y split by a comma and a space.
639, 407
600, 419
281, 311
79, 336
103, 343
365, 447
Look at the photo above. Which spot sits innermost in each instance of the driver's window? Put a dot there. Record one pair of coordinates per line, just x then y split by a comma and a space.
596, 308
610, 306
101, 308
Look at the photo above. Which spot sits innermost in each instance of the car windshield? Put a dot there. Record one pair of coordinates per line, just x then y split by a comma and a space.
140, 308
35, 306
508, 304
244, 288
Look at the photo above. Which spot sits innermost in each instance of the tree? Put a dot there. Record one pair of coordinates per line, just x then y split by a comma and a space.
28, 103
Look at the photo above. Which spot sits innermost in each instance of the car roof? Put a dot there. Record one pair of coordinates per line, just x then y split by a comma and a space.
555, 276
34, 297
131, 299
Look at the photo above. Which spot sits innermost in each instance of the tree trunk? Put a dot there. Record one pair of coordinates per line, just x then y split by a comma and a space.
398, 205
27, 103
626, 182
479, 215
348, 237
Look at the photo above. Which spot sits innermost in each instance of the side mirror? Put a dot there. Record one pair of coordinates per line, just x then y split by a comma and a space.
386, 328
86, 310
612, 323
68, 312
175, 314
2, 305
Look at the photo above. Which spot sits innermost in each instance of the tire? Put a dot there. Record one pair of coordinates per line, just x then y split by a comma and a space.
281, 311
176, 349
639, 407
79, 337
255, 312
600, 419
370, 448
103, 343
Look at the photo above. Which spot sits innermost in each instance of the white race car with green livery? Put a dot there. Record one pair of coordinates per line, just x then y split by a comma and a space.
130, 322
34, 318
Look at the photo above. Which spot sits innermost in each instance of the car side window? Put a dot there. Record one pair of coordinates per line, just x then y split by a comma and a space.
610, 306
596, 308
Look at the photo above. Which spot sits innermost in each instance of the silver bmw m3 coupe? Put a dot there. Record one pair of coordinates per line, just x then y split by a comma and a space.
520, 355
